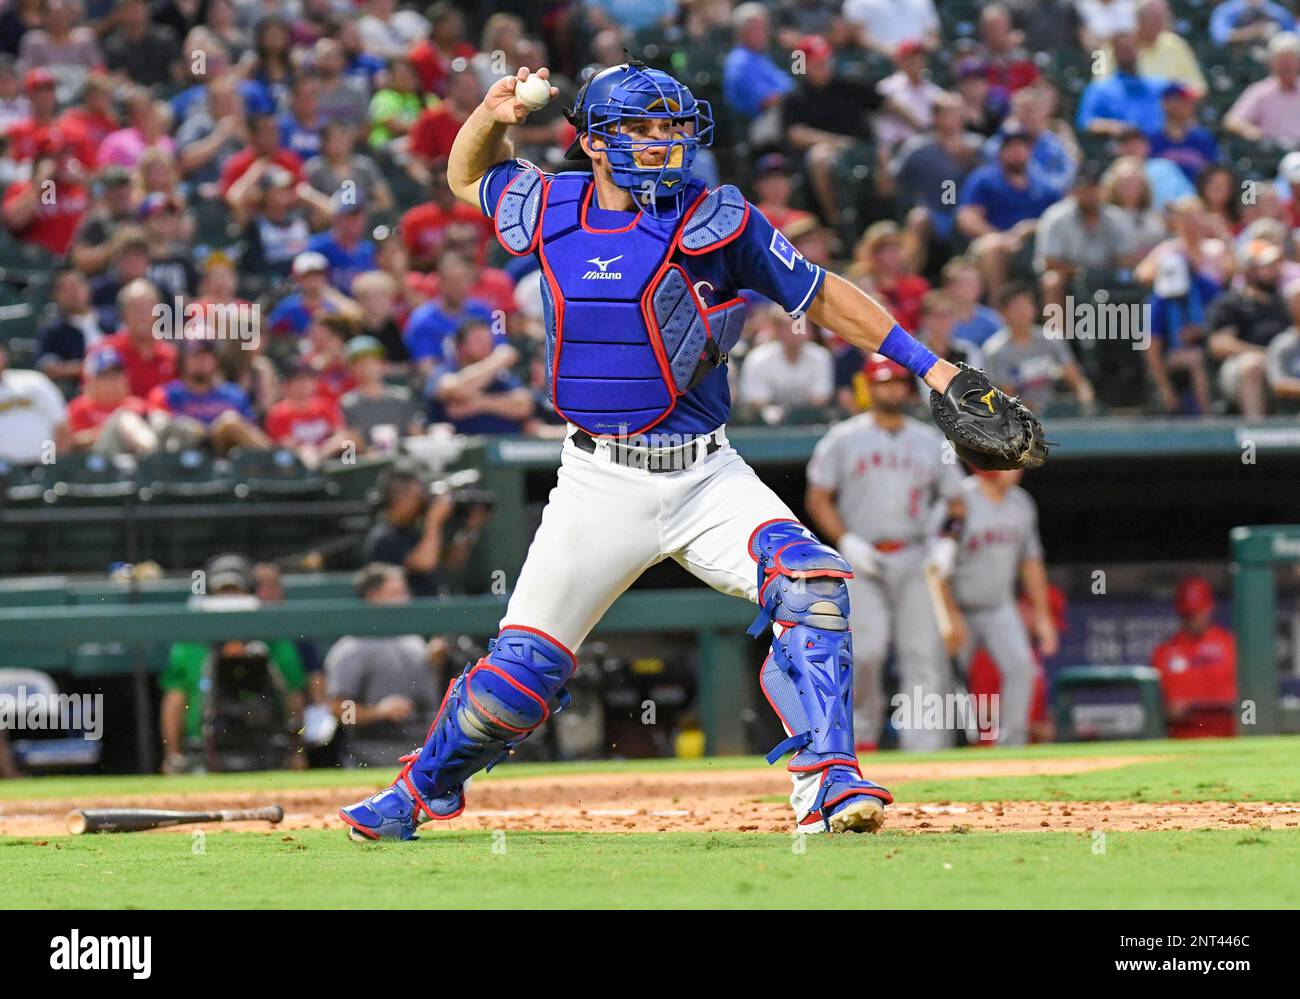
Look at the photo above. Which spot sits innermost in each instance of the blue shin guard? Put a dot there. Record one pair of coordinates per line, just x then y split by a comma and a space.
492, 705
808, 678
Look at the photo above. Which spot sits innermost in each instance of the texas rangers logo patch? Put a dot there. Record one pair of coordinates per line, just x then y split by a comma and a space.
783, 249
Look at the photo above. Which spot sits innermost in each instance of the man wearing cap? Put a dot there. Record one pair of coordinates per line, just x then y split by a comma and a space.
72, 332
822, 118
878, 484
201, 407
345, 244
1270, 108
1183, 141
35, 218
26, 136
276, 230
293, 313
171, 267
112, 206
372, 403
1051, 160
106, 418
33, 417
1080, 233
999, 205
1242, 323
772, 190
785, 368
1198, 667
999, 546
187, 677
1124, 98
908, 97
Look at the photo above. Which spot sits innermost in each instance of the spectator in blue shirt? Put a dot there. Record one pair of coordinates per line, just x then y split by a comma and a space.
431, 326
1112, 103
999, 206
752, 84
479, 394
1191, 147
1167, 181
1178, 307
301, 127
345, 244
1248, 21
1050, 161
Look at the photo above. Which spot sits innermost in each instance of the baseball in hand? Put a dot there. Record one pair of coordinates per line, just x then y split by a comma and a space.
534, 92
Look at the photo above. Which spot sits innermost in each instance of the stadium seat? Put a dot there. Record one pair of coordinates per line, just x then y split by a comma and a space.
185, 477
275, 474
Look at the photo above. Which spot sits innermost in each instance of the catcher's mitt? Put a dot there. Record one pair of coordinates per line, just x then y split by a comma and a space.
989, 429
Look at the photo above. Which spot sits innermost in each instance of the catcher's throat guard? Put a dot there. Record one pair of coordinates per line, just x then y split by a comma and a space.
990, 430
605, 111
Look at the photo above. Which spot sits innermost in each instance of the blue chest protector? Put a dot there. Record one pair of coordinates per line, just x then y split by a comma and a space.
626, 333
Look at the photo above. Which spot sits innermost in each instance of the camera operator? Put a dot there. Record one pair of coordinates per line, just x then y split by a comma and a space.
412, 527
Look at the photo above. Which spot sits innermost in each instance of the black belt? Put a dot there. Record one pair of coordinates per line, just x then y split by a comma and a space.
650, 459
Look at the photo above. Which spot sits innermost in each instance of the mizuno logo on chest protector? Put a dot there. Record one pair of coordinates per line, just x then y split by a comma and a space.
604, 273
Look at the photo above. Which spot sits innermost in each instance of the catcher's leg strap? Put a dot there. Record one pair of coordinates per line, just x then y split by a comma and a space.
492, 705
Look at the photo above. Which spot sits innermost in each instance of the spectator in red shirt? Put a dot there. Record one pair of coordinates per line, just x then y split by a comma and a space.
106, 418
306, 421
149, 360
1007, 66
327, 337
242, 170
424, 228
1198, 667
47, 209
25, 136
435, 130
881, 266
432, 56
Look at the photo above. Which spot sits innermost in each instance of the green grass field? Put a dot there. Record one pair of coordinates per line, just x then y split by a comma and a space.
1220, 868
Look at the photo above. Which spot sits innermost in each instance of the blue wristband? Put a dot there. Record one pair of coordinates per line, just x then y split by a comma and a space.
901, 346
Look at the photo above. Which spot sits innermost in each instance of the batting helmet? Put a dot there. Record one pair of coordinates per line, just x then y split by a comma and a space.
1193, 596
879, 368
634, 90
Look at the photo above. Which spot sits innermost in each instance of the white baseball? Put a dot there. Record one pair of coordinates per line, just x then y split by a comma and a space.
534, 92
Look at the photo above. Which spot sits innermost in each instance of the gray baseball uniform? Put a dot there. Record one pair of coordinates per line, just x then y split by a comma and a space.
998, 537
887, 484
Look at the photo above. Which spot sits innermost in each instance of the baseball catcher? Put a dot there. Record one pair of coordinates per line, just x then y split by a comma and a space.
641, 267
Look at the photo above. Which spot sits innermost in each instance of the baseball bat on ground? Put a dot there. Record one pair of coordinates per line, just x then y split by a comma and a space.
94, 820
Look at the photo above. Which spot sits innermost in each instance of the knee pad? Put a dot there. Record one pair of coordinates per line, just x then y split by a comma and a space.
808, 678
491, 706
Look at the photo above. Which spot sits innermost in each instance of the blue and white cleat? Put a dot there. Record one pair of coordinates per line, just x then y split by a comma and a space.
398, 811
847, 803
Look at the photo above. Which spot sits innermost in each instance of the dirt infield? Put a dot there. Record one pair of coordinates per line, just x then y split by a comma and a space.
706, 801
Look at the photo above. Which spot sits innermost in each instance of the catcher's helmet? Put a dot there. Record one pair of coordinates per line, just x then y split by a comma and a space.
879, 368
634, 90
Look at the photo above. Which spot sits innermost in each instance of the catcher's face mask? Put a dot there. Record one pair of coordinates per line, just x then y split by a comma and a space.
648, 127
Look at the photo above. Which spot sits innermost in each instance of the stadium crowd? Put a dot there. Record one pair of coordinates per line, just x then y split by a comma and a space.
980, 167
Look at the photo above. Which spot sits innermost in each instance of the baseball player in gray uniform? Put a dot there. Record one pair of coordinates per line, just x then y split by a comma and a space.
878, 484
1000, 543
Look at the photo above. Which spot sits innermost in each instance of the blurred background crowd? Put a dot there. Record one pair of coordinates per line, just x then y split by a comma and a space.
974, 165
980, 167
